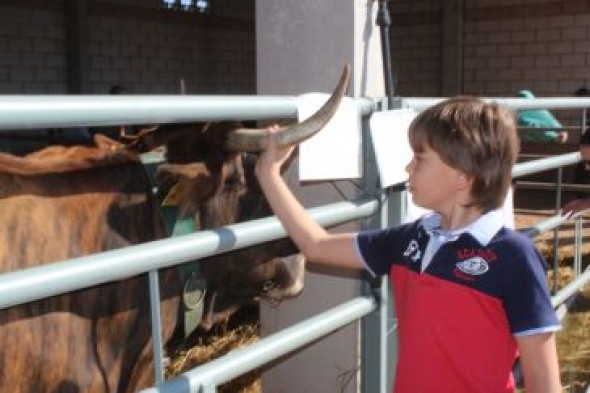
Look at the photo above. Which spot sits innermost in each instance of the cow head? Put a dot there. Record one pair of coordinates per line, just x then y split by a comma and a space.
209, 171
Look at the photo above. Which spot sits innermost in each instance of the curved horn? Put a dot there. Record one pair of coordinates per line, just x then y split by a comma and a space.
255, 140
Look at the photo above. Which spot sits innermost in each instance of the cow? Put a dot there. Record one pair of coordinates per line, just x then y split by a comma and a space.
64, 202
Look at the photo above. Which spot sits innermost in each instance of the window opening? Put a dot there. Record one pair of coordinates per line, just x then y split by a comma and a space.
199, 6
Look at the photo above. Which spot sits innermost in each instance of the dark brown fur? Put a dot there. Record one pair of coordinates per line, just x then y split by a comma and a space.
219, 188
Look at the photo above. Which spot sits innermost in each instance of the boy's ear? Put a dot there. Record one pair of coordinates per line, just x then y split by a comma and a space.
463, 181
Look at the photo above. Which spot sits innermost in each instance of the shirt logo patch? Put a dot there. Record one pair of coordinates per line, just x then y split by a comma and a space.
475, 266
413, 251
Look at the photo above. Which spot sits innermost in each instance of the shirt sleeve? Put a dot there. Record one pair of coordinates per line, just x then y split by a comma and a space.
380, 248
526, 295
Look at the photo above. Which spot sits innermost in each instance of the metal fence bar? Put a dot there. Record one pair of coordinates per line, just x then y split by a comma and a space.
32, 112
571, 288
238, 362
157, 342
48, 280
543, 164
546, 225
42, 111
578, 227
556, 230
511, 102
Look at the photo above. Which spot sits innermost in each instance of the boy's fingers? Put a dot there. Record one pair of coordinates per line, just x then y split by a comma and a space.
272, 133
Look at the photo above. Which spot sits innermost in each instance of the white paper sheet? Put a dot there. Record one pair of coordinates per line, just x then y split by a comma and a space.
389, 133
334, 152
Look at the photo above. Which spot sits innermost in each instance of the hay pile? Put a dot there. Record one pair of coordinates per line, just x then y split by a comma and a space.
573, 341
573, 345
215, 346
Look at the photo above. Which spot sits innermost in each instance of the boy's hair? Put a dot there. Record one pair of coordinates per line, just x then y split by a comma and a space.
474, 137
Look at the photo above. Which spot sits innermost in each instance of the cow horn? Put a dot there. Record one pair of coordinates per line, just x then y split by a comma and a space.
255, 140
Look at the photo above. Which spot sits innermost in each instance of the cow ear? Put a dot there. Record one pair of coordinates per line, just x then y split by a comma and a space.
185, 186
143, 141
103, 142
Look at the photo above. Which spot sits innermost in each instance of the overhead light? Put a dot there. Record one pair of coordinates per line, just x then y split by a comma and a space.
200, 6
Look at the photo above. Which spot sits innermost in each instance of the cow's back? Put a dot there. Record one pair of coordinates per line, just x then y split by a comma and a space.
93, 340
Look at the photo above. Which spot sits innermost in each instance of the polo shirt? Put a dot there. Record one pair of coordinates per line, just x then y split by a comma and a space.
458, 316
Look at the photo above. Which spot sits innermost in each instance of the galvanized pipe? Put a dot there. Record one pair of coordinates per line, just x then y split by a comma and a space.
56, 278
54, 111
578, 227
543, 164
155, 314
574, 286
571, 289
420, 104
238, 362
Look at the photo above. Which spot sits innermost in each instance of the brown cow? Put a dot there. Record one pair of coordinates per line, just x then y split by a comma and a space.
212, 173
217, 188
63, 202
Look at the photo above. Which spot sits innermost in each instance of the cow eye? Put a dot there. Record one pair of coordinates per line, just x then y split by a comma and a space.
268, 285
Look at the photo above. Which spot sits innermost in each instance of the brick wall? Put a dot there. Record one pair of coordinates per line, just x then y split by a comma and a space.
131, 42
507, 45
540, 45
415, 47
32, 57
543, 45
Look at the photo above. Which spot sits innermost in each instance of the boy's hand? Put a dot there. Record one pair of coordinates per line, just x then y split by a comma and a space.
273, 158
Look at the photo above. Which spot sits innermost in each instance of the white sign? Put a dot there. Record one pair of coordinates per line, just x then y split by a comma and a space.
389, 132
334, 152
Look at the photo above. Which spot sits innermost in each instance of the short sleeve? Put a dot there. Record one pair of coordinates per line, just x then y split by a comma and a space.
379, 249
526, 295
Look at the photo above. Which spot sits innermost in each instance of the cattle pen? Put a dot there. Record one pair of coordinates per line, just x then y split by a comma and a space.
384, 207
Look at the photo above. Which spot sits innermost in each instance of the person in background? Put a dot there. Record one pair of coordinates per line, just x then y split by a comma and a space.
470, 294
539, 118
582, 168
584, 92
582, 172
121, 132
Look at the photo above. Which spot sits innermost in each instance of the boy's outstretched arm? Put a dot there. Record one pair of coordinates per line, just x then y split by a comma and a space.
540, 367
312, 240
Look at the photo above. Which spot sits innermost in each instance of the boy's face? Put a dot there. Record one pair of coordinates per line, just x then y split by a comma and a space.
431, 182
585, 153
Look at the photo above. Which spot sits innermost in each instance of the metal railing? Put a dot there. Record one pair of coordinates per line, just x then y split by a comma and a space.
18, 287
65, 111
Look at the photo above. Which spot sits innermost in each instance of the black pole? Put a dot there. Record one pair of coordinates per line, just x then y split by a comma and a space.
383, 20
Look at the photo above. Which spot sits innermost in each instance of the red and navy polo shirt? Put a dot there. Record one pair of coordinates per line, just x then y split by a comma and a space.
457, 317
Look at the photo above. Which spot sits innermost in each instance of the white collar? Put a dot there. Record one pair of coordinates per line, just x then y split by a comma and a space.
483, 229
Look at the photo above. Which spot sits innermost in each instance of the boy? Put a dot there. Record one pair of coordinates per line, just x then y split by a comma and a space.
470, 294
